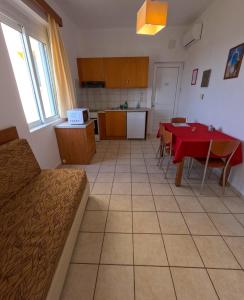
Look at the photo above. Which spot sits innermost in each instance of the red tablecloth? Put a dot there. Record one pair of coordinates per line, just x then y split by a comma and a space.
188, 143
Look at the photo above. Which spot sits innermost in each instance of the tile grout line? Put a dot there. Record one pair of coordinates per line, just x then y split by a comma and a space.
166, 254
196, 246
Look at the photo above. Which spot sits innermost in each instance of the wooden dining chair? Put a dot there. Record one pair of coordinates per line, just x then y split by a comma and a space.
178, 120
223, 152
167, 149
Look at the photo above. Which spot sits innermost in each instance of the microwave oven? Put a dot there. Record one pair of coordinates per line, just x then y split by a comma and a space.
78, 116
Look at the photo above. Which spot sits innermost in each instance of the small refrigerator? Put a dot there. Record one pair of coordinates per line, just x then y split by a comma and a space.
136, 125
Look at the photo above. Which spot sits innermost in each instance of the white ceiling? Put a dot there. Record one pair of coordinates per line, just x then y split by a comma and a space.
122, 13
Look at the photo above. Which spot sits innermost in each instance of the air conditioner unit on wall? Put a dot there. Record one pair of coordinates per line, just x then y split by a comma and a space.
192, 35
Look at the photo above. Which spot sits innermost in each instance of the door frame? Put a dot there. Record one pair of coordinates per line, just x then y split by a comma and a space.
180, 66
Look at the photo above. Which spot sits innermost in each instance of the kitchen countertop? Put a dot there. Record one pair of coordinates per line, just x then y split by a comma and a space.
67, 125
141, 109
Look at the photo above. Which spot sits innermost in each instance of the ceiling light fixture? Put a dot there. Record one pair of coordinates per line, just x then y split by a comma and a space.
152, 17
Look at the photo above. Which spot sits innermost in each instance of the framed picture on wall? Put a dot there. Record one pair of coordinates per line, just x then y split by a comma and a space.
206, 78
194, 77
234, 61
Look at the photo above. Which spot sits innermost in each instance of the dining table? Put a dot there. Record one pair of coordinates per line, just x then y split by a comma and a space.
193, 140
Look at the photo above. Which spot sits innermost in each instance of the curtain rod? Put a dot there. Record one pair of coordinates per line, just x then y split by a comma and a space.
45, 8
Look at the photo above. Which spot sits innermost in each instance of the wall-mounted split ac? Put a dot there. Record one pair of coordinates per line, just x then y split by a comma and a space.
192, 35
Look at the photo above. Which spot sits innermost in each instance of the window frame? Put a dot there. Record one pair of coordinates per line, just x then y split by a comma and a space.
49, 77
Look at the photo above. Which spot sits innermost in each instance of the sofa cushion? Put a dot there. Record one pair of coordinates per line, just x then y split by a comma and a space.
18, 166
34, 226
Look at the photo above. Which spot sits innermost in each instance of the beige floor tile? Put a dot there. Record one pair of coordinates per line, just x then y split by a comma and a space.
219, 190
235, 204
229, 284
88, 248
143, 203
100, 188
161, 189
98, 202
123, 161
213, 204
181, 251
122, 177
120, 202
145, 222
166, 203
115, 283
157, 178
149, 250
137, 162
240, 218
138, 169
184, 190
154, 169
200, 223
94, 221
121, 188
215, 253
236, 244
117, 249
140, 178
153, 283
206, 191
123, 169
172, 223
107, 168
119, 222
141, 189
189, 204
193, 284
227, 224
105, 177
80, 282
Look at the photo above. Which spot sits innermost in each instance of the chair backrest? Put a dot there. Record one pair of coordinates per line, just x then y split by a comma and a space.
178, 120
224, 148
167, 136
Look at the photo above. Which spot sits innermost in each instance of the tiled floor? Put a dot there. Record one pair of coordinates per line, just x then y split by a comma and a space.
143, 238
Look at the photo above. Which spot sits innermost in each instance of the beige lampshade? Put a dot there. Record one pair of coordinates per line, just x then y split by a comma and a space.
152, 17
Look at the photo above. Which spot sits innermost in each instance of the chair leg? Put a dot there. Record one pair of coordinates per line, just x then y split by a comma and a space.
162, 157
167, 168
159, 150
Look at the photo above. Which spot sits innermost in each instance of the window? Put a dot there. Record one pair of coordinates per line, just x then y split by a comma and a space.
31, 66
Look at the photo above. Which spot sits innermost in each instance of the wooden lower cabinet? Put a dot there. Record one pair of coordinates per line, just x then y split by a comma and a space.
76, 145
102, 125
115, 125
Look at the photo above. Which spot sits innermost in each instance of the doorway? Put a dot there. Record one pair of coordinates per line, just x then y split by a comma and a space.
166, 91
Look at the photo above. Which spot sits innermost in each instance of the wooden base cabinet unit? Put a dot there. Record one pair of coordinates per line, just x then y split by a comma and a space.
115, 124
76, 143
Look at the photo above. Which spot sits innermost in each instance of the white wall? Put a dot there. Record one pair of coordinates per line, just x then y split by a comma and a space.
223, 105
42, 141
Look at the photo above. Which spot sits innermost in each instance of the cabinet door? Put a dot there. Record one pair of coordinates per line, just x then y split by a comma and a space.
113, 72
142, 64
116, 124
102, 125
90, 69
129, 72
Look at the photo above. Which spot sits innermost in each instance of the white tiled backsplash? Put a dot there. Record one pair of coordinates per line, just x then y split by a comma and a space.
96, 99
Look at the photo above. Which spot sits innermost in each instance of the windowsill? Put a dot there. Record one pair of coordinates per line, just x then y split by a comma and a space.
54, 122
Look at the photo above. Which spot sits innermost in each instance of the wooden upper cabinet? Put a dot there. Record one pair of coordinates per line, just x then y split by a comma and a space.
90, 69
117, 72
142, 66
113, 72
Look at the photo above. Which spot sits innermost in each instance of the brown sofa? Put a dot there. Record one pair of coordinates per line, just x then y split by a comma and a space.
40, 216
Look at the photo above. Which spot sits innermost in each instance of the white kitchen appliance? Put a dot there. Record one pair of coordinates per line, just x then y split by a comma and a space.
136, 125
94, 117
78, 116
